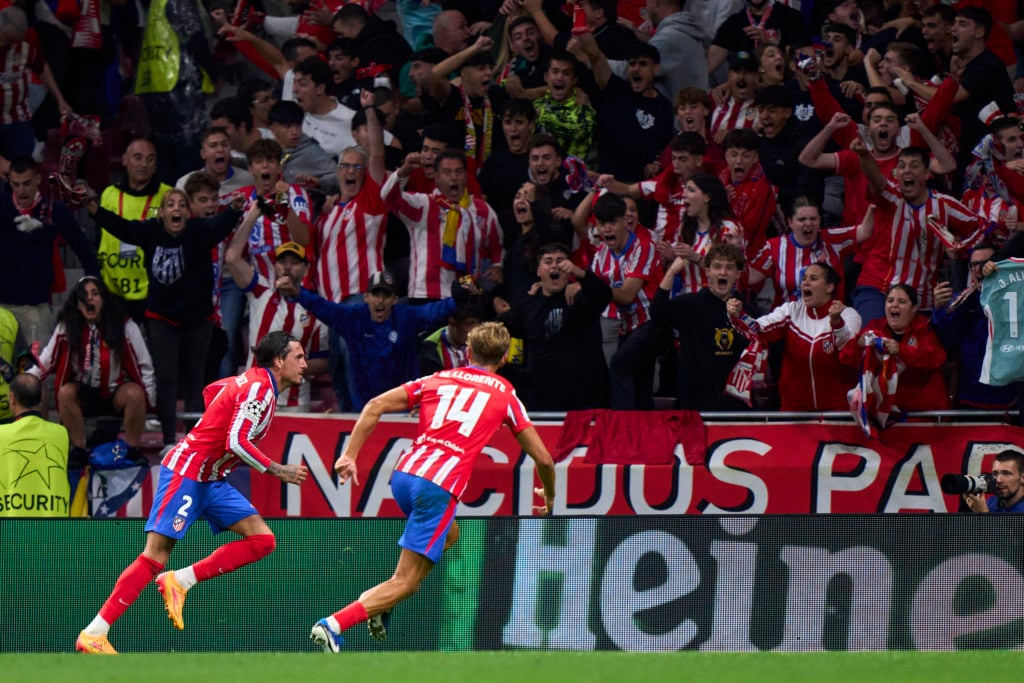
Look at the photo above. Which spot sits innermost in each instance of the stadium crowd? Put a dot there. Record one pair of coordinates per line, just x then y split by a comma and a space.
716, 204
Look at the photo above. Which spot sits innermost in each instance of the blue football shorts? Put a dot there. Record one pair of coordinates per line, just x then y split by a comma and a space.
180, 501
431, 511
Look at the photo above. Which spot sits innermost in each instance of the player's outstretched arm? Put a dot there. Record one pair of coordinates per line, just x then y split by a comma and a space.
391, 401
531, 442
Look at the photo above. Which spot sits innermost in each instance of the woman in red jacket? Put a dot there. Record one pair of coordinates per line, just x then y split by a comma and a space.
813, 330
919, 353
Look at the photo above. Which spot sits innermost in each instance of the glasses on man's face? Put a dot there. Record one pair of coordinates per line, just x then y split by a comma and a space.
344, 166
977, 264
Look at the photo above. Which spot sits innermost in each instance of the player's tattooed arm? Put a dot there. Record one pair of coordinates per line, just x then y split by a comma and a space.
289, 474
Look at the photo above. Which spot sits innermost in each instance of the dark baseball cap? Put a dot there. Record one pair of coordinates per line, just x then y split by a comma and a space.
430, 55
773, 96
382, 280
743, 61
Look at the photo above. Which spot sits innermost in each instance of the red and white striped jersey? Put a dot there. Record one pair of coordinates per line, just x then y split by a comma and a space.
995, 210
694, 276
432, 266
419, 182
459, 412
17, 64
452, 356
667, 190
350, 244
483, 242
238, 412
783, 259
638, 259
731, 115
269, 311
904, 250
94, 365
268, 234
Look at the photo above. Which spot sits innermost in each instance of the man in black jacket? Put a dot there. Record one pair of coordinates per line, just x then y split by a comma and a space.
378, 39
709, 346
783, 136
29, 225
562, 333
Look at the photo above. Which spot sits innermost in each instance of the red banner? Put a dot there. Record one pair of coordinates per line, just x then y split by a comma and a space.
750, 468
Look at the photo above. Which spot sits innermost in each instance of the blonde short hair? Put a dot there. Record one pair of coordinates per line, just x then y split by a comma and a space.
170, 193
489, 342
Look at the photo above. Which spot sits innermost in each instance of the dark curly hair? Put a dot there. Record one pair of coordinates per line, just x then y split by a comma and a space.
110, 323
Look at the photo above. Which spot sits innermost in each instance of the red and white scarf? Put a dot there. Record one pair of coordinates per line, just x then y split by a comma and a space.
872, 400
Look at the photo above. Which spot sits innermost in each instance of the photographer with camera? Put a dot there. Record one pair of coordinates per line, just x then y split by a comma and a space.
1006, 483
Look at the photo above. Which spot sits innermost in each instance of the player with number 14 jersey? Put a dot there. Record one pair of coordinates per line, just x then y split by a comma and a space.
460, 410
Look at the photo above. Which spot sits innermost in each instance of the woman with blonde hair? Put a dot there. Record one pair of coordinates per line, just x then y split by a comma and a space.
179, 308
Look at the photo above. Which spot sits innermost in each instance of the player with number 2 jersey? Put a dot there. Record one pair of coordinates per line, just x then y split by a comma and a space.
192, 487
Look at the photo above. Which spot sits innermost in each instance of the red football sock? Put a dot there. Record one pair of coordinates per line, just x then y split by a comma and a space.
350, 616
131, 582
231, 556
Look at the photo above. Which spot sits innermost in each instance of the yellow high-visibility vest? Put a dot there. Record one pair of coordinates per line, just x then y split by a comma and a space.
160, 57
8, 336
122, 265
33, 469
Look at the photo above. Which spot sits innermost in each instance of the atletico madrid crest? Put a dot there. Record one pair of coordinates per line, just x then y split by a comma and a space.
178, 524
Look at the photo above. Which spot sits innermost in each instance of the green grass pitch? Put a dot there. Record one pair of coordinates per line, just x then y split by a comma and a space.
516, 667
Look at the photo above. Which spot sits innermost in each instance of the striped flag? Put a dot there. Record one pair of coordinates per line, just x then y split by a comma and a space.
871, 401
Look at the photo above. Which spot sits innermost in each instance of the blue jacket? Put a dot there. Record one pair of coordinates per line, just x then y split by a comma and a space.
380, 355
994, 505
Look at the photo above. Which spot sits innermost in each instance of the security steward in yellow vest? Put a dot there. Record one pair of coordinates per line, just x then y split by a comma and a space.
136, 198
33, 457
13, 351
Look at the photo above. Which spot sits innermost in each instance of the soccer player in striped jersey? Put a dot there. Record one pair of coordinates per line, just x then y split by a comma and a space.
460, 410
192, 486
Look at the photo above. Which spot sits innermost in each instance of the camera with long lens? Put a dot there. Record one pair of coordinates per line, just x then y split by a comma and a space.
968, 483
